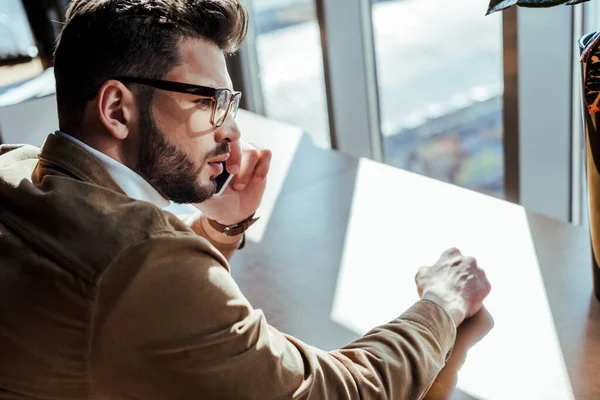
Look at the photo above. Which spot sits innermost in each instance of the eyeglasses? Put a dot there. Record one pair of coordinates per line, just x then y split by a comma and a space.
219, 102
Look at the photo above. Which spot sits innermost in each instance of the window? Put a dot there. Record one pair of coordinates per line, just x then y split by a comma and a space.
421, 86
440, 82
17, 47
15, 36
290, 61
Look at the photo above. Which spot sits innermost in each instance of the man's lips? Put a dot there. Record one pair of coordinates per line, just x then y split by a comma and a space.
218, 164
217, 167
219, 159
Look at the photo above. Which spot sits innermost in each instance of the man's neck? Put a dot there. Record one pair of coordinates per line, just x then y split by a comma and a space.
107, 145
134, 185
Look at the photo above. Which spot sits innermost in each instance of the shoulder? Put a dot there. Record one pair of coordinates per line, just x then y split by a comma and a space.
135, 228
14, 152
89, 226
168, 284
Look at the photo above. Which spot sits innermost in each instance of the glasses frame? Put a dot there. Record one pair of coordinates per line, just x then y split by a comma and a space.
188, 88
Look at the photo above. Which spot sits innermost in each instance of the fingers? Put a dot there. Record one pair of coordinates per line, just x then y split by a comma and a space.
250, 159
452, 256
451, 253
255, 165
487, 286
421, 273
470, 261
458, 282
264, 164
235, 157
455, 258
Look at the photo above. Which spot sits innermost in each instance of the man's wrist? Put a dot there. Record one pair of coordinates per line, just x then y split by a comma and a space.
234, 229
229, 221
456, 313
217, 236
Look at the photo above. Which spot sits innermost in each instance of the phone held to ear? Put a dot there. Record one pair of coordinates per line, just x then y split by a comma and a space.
223, 180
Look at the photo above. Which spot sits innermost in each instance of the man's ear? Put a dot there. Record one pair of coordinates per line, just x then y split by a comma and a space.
116, 107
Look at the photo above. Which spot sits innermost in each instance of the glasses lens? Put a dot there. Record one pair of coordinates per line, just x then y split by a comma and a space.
223, 98
205, 112
236, 104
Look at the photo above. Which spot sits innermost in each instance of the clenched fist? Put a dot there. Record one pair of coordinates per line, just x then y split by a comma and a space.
456, 283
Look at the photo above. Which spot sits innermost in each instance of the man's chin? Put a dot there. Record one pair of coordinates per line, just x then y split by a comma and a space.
206, 190
212, 188
192, 195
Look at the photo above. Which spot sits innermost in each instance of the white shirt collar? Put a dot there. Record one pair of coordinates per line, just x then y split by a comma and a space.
132, 184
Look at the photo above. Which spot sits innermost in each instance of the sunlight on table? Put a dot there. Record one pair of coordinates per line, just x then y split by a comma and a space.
393, 230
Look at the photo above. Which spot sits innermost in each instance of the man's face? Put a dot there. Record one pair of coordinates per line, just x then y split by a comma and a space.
178, 155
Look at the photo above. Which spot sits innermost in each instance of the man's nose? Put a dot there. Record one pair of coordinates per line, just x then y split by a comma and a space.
229, 131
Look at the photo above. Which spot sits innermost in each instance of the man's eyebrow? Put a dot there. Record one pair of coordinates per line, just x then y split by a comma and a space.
203, 80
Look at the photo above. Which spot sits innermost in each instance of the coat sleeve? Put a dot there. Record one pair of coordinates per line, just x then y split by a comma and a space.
194, 223
170, 323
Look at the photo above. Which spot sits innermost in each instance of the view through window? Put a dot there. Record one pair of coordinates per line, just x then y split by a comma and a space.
439, 70
291, 65
15, 35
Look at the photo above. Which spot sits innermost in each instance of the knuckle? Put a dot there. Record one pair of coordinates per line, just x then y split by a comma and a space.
234, 155
451, 253
267, 152
470, 261
484, 290
421, 272
264, 165
452, 250
243, 176
252, 154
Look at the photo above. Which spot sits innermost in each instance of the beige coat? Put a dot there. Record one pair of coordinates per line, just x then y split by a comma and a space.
106, 297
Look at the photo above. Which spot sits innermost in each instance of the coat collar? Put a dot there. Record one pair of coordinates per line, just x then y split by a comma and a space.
61, 153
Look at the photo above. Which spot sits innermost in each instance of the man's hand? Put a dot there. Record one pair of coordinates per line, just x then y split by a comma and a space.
456, 283
244, 193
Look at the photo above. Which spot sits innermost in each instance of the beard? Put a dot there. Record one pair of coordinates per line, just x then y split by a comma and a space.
169, 169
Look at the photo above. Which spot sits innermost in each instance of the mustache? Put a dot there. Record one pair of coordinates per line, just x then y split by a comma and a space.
221, 149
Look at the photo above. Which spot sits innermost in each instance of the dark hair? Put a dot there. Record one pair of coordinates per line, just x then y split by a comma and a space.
102, 39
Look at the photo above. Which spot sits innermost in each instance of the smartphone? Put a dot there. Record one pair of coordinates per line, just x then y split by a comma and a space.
223, 180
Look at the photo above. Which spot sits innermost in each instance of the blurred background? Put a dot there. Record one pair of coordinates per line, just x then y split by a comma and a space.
416, 84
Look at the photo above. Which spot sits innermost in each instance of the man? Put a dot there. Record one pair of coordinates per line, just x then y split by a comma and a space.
105, 294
